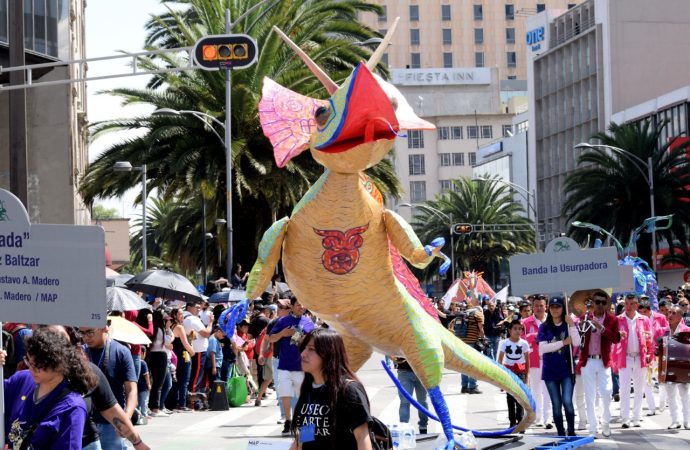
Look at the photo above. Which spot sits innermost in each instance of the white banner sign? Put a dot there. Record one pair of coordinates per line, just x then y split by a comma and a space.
440, 77
564, 267
269, 444
49, 274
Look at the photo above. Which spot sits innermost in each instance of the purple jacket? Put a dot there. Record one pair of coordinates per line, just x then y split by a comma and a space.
60, 429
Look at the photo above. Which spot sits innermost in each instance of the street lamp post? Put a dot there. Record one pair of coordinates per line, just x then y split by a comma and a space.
639, 164
526, 195
449, 218
126, 166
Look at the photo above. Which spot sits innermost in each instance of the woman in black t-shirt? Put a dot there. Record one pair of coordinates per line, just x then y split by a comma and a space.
333, 409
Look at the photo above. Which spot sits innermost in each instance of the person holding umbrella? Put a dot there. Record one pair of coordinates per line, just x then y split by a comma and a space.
184, 353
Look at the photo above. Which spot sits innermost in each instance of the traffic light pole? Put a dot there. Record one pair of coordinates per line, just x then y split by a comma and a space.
228, 152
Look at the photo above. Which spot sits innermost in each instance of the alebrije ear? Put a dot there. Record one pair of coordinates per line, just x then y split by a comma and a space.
329, 84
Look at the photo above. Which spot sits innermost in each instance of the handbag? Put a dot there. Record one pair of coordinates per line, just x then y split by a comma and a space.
380, 435
236, 388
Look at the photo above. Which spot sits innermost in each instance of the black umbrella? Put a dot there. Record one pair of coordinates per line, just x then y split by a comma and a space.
119, 299
164, 284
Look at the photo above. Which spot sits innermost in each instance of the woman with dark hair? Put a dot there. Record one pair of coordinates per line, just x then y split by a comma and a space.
144, 321
44, 405
332, 410
237, 279
556, 338
158, 362
184, 352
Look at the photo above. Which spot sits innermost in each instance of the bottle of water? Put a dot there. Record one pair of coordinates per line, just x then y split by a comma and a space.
408, 438
395, 434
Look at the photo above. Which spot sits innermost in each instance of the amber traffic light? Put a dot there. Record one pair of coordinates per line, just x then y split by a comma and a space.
232, 51
462, 228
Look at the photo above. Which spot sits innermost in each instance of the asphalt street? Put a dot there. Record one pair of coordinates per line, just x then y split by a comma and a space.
233, 429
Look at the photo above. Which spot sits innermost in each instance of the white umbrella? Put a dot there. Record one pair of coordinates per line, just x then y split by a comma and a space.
123, 330
120, 299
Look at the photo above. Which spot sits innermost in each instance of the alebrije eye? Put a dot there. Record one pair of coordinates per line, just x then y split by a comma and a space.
322, 114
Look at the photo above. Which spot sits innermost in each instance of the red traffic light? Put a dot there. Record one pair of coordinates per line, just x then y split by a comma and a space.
462, 228
231, 51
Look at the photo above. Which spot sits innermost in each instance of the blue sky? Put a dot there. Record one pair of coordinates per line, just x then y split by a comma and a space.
112, 26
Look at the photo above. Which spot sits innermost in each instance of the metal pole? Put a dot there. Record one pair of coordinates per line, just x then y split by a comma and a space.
651, 206
228, 152
144, 247
536, 218
19, 172
203, 233
452, 249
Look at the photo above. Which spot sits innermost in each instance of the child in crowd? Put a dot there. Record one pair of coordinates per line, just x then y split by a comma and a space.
143, 390
512, 353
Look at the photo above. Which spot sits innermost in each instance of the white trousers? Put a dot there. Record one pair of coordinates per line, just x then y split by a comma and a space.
649, 395
637, 375
579, 398
597, 378
677, 395
541, 395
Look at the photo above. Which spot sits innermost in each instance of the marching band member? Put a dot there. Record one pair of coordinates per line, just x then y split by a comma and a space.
633, 354
678, 392
659, 326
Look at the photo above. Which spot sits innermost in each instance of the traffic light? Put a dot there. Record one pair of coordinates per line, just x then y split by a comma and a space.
462, 228
229, 51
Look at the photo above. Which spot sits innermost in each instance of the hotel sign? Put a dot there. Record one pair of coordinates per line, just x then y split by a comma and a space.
535, 37
440, 77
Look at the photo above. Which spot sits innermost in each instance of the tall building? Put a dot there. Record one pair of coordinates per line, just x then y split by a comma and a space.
470, 107
55, 115
587, 64
460, 33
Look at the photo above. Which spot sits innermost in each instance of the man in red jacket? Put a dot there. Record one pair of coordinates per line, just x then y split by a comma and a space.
595, 360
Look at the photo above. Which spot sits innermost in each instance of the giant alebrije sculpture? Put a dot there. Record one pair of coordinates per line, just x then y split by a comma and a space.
341, 248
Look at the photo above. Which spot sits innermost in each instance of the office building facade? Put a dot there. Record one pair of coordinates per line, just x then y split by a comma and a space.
55, 115
460, 33
584, 65
469, 110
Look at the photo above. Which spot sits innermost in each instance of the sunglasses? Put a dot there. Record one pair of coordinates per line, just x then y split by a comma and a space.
601, 302
682, 304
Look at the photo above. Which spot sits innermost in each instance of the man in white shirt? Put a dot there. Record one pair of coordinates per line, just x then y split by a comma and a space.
633, 355
201, 332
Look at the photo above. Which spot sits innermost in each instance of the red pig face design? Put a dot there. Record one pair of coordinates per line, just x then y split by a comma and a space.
342, 249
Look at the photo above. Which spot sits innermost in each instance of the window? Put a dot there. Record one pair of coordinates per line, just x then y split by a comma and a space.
443, 133
416, 164
447, 36
415, 139
478, 35
445, 159
487, 132
511, 58
522, 127
541, 7
510, 77
458, 159
3, 21
479, 59
473, 158
415, 61
447, 60
510, 12
414, 13
414, 36
383, 31
478, 12
417, 191
445, 12
571, 5
510, 35
42, 20
384, 13
456, 132
472, 132
507, 130
446, 185
384, 59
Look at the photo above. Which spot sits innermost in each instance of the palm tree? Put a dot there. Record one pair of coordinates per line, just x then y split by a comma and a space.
610, 191
475, 202
184, 156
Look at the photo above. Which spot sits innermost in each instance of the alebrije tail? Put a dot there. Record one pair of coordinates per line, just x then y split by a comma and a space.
465, 359
237, 313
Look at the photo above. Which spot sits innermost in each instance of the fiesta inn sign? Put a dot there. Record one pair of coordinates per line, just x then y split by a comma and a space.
429, 77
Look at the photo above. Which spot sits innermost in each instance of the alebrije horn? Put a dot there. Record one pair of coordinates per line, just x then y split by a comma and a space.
329, 84
383, 46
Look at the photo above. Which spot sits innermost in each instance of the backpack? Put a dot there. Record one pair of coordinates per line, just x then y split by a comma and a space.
380, 435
